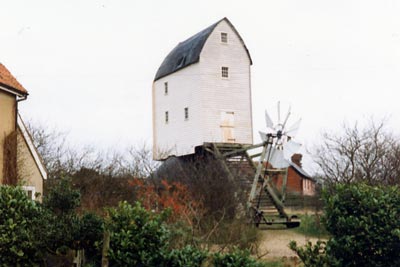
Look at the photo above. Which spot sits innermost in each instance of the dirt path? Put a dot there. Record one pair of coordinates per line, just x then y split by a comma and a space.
276, 242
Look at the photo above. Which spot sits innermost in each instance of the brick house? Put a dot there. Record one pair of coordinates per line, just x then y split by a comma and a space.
298, 180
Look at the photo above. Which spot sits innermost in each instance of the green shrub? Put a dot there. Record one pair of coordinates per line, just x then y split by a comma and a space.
237, 258
63, 223
20, 229
61, 198
364, 223
91, 234
312, 255
137, 237
187, 256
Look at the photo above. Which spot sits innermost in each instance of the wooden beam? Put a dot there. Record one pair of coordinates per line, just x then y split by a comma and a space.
257, 176
285, 177
240, 151
223, 162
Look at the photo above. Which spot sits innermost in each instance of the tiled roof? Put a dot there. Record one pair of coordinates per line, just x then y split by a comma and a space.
8, 80
300, 170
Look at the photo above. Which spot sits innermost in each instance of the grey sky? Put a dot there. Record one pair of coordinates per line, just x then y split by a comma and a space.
89, 65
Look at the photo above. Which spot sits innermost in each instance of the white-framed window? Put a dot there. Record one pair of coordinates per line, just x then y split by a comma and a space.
166, 88
166, 117
224, 37
30, 191
186, 110
224, 72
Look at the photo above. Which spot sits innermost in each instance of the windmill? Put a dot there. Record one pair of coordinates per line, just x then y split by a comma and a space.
265, 203
277, 148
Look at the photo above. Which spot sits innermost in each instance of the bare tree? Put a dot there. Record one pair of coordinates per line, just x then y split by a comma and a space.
369, 154
51, 145
63, 159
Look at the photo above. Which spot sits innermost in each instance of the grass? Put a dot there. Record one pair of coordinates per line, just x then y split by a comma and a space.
311, 226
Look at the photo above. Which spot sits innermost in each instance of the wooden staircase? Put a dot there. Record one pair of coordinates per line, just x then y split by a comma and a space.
264, 202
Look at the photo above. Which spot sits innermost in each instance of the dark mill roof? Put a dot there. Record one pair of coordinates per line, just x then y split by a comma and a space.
188, 51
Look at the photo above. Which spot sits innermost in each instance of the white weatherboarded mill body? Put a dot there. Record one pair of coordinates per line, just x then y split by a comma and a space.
202, 93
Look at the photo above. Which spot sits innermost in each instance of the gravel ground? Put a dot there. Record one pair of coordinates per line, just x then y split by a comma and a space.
276, 241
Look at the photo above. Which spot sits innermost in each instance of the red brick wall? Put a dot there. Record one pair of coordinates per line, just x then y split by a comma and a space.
294, 181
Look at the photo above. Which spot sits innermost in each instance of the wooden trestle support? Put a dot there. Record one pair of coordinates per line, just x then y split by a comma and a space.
265, 203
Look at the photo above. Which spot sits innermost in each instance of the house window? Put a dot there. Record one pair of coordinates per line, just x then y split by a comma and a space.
225, 72
30, 191
166, 117
186, 113
224, 37
166, 88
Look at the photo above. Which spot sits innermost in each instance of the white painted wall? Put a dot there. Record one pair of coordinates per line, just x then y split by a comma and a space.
201, 88
179, 136
221, 94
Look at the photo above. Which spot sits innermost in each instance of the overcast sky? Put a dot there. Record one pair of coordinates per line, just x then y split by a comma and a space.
89, 65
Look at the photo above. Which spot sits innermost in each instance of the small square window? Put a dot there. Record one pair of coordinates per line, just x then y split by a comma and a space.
224, 37
225, 72
166, 88
186, 113
30, 191
166, 117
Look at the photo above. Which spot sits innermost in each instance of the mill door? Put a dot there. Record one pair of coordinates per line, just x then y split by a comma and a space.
228, 126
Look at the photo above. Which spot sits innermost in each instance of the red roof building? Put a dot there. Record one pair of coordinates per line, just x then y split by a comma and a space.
8, 81
298, 180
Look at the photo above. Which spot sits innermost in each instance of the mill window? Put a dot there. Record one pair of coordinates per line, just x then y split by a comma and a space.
186, 113
225, 72
166, 88
224, 37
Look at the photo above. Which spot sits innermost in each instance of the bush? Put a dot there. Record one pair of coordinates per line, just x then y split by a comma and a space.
365, 228
312, 255
91, 234
63, 223
20, 229
237, 258
365, 225
187, 256
137, 237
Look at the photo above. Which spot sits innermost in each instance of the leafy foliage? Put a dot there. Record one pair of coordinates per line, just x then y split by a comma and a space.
187, 256
312, 255
365, 228
138, 237
63, 228
20, 228
91, 234
237, 258
62, 199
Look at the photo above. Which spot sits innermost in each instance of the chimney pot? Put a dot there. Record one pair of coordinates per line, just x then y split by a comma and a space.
296, 159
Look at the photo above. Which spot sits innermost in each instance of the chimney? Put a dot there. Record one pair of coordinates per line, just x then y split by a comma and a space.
296, 159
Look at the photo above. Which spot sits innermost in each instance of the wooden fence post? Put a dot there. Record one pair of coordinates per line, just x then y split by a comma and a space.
106, 247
